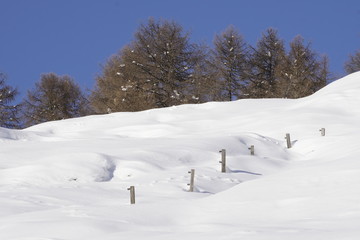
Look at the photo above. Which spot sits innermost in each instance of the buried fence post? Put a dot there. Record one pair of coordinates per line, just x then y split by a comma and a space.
288, 142
132, 194
192, 176
252, 150
322, 130
223, 160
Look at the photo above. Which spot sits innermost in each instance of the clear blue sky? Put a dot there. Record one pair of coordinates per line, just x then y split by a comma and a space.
75, 36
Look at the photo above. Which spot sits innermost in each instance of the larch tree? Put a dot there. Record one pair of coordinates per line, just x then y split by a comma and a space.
54, 98
353, 63
164, 61
155, 70
303, 71
117, 87
205, 81
8, 111
264, 63
230, 60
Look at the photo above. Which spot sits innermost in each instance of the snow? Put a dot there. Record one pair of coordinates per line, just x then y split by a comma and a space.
68, 179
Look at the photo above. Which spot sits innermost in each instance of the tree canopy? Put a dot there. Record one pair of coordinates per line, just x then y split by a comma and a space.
54, 98
8, 110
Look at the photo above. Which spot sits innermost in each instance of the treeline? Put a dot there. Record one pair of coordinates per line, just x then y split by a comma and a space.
161, 67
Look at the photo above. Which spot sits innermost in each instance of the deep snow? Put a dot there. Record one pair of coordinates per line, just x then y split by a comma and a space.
68, 180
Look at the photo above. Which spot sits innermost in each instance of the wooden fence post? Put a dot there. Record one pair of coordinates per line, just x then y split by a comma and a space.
322, 130
223, 160
132, 194
288, 142
252, 150
192, 176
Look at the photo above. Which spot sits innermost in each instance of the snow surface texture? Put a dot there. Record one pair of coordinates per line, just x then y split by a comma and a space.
68, 180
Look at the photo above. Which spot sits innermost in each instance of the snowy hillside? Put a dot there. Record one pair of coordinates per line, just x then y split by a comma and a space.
68, 180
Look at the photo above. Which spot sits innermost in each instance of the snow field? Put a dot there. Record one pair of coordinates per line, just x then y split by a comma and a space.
68, 179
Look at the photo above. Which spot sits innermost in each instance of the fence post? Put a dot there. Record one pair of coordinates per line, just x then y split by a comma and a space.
192, 176
288, 142
322, 130
132, 194
252, 150
223, 160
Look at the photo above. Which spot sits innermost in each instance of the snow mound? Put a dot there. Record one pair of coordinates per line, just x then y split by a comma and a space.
62, 168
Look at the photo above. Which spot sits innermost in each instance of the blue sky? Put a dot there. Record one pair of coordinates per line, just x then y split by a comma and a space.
75, 37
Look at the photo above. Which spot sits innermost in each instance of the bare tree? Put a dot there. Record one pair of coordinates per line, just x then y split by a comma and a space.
303, 72
118, 89
230, 60
155, 70
205, 81
353, 64
8, 111
264, 64
54, 98
324, 74
164, 60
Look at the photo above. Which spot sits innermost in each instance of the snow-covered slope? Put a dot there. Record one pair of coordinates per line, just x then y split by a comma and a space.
68, 179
